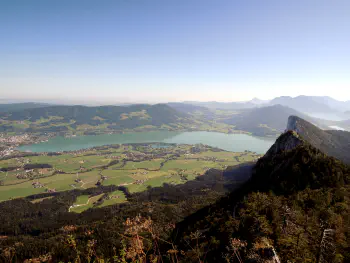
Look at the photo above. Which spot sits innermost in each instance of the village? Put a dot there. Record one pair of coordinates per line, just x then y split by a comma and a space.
9, 143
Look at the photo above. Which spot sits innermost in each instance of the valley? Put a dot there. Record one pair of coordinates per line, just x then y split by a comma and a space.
135, 166
172, 174
275, 205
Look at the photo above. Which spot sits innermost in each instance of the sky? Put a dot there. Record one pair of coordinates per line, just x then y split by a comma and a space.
117, 51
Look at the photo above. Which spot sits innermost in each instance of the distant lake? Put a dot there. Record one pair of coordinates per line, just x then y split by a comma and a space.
228, 142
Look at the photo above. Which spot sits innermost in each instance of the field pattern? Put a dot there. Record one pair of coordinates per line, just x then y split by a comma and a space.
135, 166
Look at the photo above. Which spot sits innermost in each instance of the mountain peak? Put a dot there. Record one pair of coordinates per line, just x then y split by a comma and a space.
295, 124
333, 143
257, 101
297, 131
286, 142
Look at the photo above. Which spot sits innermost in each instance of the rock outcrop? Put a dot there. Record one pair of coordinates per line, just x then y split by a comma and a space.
332, 143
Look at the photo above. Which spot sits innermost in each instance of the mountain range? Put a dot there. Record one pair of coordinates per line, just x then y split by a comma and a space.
317, 106
260, 120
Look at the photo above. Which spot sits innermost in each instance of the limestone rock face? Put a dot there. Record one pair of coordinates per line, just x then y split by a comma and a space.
292, 123
332, 143
286, 142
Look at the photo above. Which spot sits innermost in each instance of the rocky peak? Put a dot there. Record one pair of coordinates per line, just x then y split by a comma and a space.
292, 124
332, 143
286, 142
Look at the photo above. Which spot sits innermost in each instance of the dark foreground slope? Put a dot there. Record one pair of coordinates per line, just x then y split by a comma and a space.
333, 143
30, 230
297, 200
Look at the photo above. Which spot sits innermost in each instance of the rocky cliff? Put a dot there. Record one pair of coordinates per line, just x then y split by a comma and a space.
332, 143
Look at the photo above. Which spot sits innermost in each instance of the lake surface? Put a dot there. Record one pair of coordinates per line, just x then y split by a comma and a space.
229, 142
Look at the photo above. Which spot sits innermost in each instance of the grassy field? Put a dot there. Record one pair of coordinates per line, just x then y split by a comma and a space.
133, 166
84, 202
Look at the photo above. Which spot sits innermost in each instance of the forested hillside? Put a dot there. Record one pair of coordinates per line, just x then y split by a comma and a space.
65, 118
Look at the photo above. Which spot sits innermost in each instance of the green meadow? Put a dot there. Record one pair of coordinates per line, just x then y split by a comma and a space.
133, 166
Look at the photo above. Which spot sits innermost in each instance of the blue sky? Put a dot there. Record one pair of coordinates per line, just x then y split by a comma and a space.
173, 50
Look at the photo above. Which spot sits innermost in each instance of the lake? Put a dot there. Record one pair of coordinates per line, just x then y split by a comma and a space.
228, 142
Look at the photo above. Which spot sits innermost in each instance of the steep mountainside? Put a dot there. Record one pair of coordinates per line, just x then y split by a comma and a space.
297, 200
333, 143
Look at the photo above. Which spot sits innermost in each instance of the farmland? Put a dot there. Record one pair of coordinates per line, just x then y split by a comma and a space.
135, 166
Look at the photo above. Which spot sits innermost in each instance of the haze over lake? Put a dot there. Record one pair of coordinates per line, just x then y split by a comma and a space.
229, 142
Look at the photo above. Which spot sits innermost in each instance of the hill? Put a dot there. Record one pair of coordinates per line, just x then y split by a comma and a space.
63, 118
263, 121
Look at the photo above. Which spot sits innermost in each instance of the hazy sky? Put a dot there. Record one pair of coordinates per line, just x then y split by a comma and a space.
173, 50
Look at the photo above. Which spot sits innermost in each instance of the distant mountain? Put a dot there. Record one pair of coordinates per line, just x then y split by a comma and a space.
321, 107
186, 108
340, 106
271, 120
312, 105
257, 101
224, 105
303, 104
334, 143
21, 106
